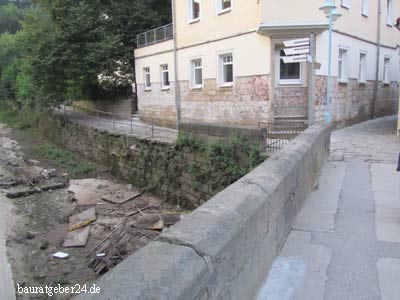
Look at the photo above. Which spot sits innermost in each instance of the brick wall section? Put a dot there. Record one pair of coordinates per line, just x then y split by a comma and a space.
353, 102
246, 103
290, 101
225, 248
162, 168
157, 104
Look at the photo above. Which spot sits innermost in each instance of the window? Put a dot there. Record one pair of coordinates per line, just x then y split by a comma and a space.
345, 3
197, 73
289, 73
224, 5
226, 69
389, 17
362, 72
164, 77
194, 10
364, 7
147, 80
343, 63
386, 70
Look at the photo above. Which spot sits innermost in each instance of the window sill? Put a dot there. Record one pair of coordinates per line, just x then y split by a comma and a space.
364, 15
227, 10
344, 6
362, 83
389, 25
385, 83
290, 83
165, 88
147, 89
197, 88
343, 82
226, 85
194, 21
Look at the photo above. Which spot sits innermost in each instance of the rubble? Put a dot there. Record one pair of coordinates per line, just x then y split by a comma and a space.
82, 219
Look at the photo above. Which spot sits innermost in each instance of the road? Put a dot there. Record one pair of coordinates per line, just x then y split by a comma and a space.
345, 243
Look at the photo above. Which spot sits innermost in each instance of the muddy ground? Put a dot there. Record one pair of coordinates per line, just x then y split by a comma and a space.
42, 220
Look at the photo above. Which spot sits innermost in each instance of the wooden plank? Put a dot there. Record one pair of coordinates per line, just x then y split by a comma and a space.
121, 196
77, 238
83, 219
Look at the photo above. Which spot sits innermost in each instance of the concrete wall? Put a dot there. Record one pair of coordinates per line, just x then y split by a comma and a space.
224, 249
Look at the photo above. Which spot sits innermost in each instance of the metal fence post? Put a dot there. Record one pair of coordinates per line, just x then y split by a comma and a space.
131, 125
113, 120
98, 120
152, 127
74, 108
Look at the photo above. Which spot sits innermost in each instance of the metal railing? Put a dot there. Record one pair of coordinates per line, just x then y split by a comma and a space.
281, 134
123, 123
156, 35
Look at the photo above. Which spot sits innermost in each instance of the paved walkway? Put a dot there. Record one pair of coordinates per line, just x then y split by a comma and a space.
345, 243
133, 127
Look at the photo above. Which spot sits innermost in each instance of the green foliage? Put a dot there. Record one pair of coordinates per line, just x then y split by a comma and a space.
63, 159
10, 18
190, 140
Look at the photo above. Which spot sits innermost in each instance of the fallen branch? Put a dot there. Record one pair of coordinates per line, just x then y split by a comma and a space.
27, 192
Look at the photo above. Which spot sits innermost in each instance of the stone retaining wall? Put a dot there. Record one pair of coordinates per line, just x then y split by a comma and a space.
182, 175
224, 249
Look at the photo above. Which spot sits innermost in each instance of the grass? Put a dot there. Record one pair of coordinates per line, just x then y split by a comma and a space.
63, 159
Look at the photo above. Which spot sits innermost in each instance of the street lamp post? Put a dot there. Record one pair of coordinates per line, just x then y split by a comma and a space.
329, 8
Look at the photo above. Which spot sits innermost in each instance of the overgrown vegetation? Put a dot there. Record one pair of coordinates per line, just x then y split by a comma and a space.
53, 50
64, 160
227, 161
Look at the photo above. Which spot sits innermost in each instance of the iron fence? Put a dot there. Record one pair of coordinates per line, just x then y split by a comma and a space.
124, 123
156, 35
279, 134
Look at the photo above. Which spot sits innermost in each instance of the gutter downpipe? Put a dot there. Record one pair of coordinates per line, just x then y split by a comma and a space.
177, 94
378, 54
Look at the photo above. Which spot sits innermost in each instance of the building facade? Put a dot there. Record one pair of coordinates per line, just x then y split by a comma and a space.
221, 62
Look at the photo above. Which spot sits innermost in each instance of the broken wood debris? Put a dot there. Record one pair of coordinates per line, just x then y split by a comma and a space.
31, 191
82, 219
121, 196
77, 238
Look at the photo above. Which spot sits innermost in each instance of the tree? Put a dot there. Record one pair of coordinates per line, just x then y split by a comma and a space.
10, 18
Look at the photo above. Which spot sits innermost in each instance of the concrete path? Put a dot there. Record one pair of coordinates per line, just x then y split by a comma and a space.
345, 243
6, 221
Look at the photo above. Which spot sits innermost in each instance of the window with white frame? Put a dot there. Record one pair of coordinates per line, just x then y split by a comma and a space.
147, 79
364, 7
194, 10
164, 77
197, 73
289, 73
386, 70
389, 16
224, 5
362, 71
345, 3
226, 69
343, 65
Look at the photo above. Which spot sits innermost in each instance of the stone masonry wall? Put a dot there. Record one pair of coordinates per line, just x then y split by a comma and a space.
246, 103
224, 249
353, 102
180, 174
290, 101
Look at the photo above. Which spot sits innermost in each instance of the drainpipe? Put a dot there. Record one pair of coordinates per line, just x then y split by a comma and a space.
378, 54
177, 94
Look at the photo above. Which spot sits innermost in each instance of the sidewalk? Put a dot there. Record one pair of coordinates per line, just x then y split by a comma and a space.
345, 243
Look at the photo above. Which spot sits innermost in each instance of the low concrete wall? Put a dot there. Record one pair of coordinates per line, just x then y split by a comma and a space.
225, 248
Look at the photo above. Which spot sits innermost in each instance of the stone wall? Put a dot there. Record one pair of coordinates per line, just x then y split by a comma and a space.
225, 248
124, 107
353, 102
246, 103
290, 101
181, 174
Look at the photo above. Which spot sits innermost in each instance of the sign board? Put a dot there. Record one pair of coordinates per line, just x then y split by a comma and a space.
297, 50
294, 59
298, 42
